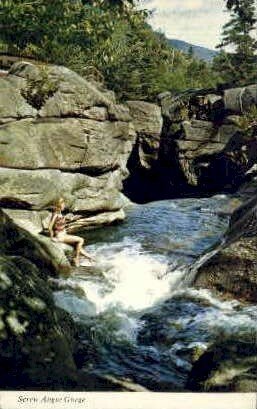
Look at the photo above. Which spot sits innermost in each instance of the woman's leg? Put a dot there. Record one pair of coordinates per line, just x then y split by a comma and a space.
75, 241
78, 242
85, 254
80, 250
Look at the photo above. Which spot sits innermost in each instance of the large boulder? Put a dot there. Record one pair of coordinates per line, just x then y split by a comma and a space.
84, 145
229, 365
38, 189
197, 142
232, 271
69, 95
17, 240
37, 339
239, 100
62, 136
148, 121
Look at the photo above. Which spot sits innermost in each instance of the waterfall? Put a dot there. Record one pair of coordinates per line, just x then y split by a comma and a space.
191, 272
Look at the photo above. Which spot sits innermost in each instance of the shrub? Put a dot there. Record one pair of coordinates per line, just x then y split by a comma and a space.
39, 89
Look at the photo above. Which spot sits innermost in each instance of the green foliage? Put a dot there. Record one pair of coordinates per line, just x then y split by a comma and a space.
107, 40
201, 74
239, 67
248, 121
39, 89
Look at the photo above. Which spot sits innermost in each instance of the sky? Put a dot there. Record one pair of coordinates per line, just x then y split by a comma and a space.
196, 21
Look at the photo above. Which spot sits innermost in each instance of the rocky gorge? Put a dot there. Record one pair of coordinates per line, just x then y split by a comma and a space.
63, 136
205, 146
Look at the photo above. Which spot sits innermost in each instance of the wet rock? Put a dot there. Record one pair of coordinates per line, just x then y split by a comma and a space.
37, 339
227, 366
232, 272
108, 382
99, 220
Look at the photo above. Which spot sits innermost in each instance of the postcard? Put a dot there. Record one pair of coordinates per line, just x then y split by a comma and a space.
128, 197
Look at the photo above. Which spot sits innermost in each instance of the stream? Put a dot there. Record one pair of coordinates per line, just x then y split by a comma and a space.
141, 320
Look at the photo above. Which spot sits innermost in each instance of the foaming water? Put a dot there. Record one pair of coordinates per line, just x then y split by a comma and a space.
132, 279
140, 315
135, 277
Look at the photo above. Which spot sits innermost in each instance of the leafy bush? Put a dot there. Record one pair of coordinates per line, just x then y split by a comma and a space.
39, 89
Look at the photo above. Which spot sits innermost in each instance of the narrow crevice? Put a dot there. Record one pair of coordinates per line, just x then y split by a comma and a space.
92, 171
13, 119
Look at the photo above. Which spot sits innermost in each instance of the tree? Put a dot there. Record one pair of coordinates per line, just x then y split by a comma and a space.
107, 40
190, 52
39, 25
231, 3
240, 65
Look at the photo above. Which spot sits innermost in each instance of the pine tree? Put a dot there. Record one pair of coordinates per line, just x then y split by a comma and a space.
190, 52
240, 65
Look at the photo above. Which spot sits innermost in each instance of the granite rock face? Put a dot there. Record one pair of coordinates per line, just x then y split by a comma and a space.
51, 119
203, 147
144, 158
148, 121
37, 189
211, 149
68, 144
239, 100
62, 136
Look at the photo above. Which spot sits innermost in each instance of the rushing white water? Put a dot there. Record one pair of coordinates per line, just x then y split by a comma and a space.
132, 279
139, 290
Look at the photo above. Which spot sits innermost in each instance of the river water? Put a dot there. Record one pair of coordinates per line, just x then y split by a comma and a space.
141, 321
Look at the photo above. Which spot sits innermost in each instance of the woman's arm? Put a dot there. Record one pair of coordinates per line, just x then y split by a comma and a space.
51, 225
71, 217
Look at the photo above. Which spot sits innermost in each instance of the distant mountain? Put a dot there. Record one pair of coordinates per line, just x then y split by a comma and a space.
200, 52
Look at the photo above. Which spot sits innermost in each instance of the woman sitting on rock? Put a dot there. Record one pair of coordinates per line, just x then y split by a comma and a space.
58, 232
